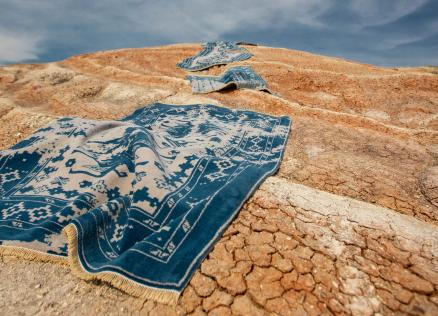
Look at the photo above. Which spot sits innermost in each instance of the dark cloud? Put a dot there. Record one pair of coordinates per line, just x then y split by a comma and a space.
390, 33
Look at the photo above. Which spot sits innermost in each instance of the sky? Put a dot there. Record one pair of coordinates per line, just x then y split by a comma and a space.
380, 32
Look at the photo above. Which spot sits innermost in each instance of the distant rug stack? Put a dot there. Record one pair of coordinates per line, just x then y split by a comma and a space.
222, 53
141, 200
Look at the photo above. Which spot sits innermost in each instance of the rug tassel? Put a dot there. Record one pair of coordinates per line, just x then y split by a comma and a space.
162, 296
32, 255
124, 284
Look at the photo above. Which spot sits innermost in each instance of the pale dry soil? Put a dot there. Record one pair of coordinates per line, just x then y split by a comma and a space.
348, 226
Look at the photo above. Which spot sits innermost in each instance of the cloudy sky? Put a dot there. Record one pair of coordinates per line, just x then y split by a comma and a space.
382, 32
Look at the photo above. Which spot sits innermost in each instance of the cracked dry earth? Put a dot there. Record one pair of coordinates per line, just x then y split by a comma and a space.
348, 226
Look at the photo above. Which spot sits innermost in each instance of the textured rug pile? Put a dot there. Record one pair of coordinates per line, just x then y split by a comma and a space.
137, 202
242, 77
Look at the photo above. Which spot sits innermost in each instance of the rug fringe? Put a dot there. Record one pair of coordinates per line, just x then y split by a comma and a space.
118, 281
32, 255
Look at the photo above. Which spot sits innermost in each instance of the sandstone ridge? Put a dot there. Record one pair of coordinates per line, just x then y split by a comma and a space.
347, 226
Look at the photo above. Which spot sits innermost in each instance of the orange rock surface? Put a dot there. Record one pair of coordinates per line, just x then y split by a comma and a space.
347, 226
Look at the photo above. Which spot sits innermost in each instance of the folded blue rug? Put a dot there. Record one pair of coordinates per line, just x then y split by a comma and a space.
215, 53
242, 77
141, 200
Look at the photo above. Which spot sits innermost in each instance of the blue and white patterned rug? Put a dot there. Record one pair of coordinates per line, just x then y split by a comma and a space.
215, 53
142, 200
242, 77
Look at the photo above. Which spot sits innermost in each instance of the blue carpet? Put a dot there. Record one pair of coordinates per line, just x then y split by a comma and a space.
242, 77
215, 53
143, 199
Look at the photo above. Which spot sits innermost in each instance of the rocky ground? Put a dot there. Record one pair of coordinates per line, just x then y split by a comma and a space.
347, 226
